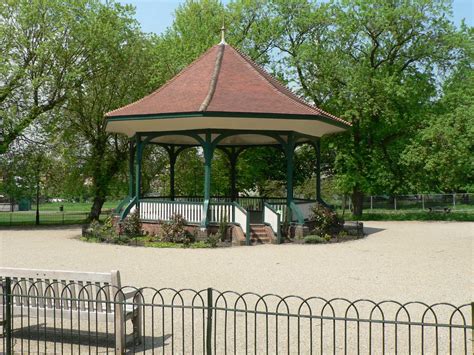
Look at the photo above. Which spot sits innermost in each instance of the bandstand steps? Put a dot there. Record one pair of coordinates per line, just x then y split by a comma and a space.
259, 234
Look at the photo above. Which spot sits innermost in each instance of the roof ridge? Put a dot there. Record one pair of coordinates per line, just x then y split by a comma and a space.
282, 89
214, 78
162, 87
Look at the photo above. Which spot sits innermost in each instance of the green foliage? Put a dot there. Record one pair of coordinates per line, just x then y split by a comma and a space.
314, 239
326, 220
213, 239
132, 226
101, 232
175, 231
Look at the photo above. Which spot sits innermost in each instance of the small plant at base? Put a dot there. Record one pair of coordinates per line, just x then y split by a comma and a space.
223, 226
327, 221
175, 231
314, 239
213, 240
132, 226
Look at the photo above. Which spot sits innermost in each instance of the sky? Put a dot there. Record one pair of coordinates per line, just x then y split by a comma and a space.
156, 15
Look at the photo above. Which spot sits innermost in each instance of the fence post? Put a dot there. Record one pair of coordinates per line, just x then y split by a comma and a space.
7, 293
423, 202
395, 202
209, 322
11, 214
454, 200
371, 202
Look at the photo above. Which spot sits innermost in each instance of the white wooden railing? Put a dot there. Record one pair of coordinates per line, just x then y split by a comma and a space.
164, 210
219, 212
273, 219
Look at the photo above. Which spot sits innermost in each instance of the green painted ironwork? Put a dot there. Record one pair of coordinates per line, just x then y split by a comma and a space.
128, 207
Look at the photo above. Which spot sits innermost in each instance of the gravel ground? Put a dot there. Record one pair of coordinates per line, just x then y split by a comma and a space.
404, 261
425, 261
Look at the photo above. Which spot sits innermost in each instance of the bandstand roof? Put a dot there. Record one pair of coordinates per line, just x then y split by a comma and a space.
223, 90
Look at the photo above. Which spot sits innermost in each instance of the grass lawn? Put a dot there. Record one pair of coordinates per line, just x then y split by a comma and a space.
74, 206
74, 213
410, 215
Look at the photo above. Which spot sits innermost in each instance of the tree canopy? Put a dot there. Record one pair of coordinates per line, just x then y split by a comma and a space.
400, 72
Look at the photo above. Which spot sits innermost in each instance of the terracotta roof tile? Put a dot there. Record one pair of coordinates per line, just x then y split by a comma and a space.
222, 80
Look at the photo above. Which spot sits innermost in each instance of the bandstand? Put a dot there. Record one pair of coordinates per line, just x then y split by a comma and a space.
225, 101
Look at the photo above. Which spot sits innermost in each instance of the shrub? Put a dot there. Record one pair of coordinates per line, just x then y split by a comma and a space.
101, 232
327, 221
213, 239
223, 226
314, 239
174, 231
132, 226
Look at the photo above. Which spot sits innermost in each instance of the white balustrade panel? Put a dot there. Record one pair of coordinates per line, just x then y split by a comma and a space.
241, 218
306, 209
271, 217
280, 208
220, 212
164, 211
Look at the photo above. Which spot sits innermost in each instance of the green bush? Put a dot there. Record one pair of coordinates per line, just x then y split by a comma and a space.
101, 232
132, 226
213, 240
327, 221
314, 239
175, 231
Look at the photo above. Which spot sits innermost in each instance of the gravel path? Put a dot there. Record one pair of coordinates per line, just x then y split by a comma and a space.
426, 261
404, 261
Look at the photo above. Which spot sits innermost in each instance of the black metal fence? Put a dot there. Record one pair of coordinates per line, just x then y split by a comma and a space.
55, 317
460, 202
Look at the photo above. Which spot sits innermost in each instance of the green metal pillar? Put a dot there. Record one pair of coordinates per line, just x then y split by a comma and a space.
173, 156
289, 152
233, 155
317, 146
208, 149
138, 167
131, 167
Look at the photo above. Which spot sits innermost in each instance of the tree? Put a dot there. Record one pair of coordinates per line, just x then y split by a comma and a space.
42, 56
375, 64
440, 155
117, 73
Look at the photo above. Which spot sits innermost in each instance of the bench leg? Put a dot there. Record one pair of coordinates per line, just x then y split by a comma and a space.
137, 326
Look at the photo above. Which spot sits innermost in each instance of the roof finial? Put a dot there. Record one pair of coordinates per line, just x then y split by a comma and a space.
223, 33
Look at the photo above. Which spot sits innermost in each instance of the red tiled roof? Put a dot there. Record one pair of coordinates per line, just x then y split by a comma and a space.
222, 80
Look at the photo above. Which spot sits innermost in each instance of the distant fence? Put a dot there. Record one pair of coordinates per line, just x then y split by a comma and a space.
457, 202
214, 322
45, 218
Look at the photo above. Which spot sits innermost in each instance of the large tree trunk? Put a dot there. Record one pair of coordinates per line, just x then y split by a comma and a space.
357, 202
96, 208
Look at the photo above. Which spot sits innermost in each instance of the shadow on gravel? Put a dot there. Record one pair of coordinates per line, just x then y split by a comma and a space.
53, 340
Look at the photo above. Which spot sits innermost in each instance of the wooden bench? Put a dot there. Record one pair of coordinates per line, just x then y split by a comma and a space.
55, 294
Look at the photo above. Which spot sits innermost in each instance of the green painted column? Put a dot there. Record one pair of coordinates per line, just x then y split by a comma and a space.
208, 149
131, 167
138, 167
317, 146
289, 152
173, 156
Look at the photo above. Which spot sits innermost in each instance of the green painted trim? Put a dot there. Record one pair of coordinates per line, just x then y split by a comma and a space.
138, 166
171, 202
127, 209
299, 215
232, 115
